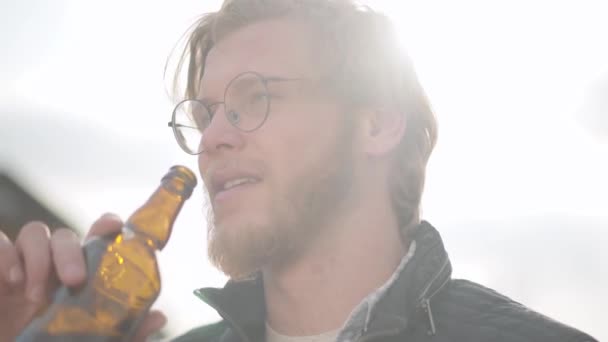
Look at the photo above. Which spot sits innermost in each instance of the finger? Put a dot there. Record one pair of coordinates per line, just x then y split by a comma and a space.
107, 224
68, 257
150, 325
11, 270
33, 245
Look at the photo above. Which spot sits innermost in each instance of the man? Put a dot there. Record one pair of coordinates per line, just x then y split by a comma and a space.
312, 134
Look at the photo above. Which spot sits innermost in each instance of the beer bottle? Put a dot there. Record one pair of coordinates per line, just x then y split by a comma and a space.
122, 274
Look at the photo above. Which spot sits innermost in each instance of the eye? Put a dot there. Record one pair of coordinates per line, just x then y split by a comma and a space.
259, 97
255, 98
233, 116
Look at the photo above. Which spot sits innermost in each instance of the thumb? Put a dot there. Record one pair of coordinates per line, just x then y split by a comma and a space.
150, 325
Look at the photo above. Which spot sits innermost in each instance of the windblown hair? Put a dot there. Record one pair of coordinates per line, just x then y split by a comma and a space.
362, 63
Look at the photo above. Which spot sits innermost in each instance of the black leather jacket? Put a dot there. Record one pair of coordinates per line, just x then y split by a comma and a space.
424, 304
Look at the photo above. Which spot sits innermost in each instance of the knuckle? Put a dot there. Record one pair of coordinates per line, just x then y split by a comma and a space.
34, 228
64, 235
7, 251
65, 250
107, 224
33, 245
110, 216
8, 257
4, 240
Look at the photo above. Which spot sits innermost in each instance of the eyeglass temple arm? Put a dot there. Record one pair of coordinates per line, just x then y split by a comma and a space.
176, 125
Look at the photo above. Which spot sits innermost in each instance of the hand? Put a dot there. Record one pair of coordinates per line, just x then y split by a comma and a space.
38, 262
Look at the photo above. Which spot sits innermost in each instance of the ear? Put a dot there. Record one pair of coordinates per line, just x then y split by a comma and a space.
382, 130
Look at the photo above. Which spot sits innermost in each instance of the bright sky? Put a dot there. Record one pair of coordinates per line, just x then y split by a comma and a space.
508, 80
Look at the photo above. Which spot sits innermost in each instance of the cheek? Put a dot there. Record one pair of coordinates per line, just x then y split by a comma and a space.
305, 132
293, 152
290, 142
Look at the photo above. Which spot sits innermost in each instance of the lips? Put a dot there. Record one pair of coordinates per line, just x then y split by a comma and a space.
238, 182
226, 179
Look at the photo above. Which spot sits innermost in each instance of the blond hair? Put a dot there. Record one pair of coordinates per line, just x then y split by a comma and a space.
363, 64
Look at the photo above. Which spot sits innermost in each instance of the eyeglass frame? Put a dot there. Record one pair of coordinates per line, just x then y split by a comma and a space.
174, 126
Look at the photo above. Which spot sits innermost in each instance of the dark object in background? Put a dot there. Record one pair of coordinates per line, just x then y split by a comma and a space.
18, 206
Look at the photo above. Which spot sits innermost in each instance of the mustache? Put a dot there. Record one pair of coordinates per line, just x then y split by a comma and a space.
252, 167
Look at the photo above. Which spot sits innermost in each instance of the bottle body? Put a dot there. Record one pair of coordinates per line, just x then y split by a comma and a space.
123, 278
123, 282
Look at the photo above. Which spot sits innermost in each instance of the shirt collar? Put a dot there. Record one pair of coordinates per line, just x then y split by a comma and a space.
418, 277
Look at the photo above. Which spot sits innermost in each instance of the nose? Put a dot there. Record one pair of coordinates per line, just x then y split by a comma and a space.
221, 134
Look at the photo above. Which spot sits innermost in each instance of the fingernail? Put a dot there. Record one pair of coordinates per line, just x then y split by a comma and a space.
36, 293
15, 275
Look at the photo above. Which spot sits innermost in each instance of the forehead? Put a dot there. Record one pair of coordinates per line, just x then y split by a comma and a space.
278, 47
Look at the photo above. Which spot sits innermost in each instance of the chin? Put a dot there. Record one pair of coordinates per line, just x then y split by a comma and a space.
240, 245
240, 221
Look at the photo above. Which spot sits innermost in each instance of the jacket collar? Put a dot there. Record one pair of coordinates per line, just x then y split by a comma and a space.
241, 303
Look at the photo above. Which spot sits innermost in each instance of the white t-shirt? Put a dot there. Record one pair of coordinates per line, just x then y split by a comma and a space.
358, 319
273, 336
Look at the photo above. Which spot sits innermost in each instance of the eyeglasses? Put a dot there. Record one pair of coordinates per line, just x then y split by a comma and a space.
246, 106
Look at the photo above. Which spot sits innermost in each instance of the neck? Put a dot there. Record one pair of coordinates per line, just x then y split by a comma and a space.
332, 271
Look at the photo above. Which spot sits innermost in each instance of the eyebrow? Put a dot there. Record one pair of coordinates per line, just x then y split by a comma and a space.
282, 79
207, 101
244, 83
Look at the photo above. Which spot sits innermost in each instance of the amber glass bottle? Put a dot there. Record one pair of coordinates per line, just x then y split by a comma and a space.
123, 277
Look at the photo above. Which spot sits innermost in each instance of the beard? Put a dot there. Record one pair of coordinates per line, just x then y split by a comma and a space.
295, 216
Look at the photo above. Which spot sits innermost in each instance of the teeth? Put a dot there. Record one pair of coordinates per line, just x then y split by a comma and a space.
237, 182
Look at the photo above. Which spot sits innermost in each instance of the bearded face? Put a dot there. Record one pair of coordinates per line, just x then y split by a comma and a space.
281, 219
271, 189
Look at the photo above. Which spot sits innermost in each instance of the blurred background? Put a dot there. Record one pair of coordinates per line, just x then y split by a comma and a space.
518, 184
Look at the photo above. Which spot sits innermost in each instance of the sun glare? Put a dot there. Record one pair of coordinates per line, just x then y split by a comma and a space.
506, 81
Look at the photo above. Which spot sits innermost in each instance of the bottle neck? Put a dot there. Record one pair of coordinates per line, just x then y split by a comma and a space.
156, 217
